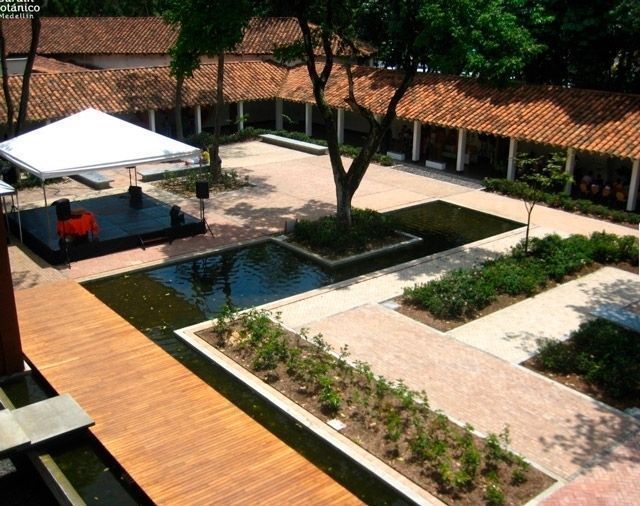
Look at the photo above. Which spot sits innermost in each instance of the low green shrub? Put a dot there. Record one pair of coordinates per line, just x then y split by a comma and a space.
514, 276
556, 356
462, 293
604, 353
457, 294
607, 248
327, 235
564, 201
204, 140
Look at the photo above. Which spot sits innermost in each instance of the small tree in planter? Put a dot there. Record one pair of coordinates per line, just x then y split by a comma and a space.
536, 177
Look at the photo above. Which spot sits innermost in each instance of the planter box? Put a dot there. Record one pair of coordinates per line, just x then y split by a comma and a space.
410, 240
322, 430
435, 165
396, 155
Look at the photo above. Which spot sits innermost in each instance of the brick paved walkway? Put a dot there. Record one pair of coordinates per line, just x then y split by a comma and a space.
560, 430
616, 480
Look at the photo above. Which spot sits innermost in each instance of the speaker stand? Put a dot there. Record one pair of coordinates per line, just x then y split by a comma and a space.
203, 219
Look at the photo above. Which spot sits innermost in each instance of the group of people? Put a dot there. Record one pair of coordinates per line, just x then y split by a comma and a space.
601, 191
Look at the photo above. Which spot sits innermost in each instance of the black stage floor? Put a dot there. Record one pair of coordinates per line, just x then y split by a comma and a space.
121, 226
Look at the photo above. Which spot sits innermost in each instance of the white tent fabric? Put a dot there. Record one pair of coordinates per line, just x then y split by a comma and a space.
88, 141
6, 189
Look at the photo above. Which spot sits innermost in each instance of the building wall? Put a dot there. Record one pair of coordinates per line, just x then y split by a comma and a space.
117, 61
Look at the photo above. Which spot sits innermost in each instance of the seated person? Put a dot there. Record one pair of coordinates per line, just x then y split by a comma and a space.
587, 179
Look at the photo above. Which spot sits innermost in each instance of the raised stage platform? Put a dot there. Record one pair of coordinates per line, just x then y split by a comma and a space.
121, 227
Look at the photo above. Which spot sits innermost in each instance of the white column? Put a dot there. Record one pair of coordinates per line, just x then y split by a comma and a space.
241, 115
569, 167
462, 148
633, 185
308, 119
151, 114
340, 126
278, 114
198, 114
511, 162
417, 134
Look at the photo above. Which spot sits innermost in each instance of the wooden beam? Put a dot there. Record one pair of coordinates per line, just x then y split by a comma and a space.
11, 361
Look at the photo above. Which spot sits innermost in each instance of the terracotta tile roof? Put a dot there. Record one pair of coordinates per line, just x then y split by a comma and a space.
140, 35
583, 119
53, 66
263, 34
94, 35
130, 90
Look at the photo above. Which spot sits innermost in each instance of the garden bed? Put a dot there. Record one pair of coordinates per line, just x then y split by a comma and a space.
332, 242
567, 203
185, 185
373, 248
462, 295
600, 359
386, 418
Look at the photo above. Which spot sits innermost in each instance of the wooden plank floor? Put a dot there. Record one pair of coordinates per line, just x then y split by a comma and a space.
180, 440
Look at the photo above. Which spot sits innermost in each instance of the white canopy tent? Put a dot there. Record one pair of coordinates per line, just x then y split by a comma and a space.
88, 141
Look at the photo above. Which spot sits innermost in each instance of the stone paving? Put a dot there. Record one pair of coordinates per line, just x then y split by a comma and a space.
582, 441
554, 427
513, 332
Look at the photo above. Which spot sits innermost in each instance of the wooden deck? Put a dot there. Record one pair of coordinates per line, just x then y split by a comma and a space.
180, 440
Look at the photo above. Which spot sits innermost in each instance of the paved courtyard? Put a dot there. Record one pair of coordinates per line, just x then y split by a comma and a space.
470, 373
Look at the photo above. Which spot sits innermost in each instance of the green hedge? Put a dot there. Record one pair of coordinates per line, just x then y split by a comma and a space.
603, 353
462, 293
565, 202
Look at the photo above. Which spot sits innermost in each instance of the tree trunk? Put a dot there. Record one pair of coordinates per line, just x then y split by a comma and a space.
178, 111
526, 235
5, 85
344, 195
216, 162
24, 97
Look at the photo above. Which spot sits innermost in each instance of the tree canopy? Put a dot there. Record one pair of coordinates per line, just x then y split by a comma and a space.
587, 44
206, 28
483, 38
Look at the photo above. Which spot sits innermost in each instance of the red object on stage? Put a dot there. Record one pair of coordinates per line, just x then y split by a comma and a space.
80, 224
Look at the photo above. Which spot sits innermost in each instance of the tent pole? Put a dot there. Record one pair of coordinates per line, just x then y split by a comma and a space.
19, 220
46, 212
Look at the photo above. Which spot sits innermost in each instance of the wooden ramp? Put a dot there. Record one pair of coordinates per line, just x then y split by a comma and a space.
180, 440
